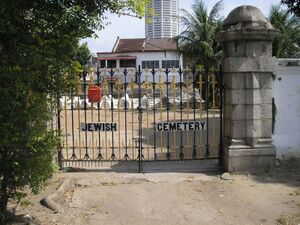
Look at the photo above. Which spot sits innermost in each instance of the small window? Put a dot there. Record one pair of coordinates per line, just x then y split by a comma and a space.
102, 64
111, 64
170, 63
127, 63
150, 64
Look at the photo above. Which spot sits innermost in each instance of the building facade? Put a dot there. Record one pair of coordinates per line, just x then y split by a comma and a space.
162, 19
146, 53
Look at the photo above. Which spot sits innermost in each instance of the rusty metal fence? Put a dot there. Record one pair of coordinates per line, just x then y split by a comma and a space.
142, 115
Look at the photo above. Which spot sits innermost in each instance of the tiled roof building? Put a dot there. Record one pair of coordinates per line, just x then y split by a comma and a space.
144, 45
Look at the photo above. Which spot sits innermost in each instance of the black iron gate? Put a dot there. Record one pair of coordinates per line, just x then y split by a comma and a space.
142, 116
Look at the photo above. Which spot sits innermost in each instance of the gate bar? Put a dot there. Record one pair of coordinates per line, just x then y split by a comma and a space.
59, 148
126, 157
140, 119
154, 113
194, 113
181, 155
113, 156
207, 111
168, 114
86, 156
99, 156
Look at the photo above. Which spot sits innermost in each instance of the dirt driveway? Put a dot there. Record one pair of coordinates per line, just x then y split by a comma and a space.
111, 198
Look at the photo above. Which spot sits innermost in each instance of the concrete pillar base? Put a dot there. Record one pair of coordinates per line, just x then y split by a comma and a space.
249, 159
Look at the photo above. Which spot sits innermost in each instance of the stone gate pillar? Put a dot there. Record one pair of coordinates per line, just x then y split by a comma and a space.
247, 67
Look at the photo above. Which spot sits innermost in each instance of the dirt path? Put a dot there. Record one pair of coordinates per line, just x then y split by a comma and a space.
173, 199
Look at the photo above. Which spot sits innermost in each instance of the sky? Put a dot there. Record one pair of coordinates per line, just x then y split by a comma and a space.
129, 27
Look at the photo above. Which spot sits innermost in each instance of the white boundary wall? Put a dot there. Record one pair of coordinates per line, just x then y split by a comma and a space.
286, 92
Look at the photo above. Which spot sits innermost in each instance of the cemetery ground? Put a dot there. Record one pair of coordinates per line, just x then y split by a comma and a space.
116, 198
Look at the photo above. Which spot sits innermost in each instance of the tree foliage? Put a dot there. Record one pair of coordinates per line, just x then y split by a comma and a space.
293, 5
26, 146
287, 43
40, 56
197, 41
83, 55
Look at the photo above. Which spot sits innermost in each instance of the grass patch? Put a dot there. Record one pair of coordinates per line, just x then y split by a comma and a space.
292, 219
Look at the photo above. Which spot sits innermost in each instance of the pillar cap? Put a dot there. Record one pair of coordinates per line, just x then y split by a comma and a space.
246, 15
246, 22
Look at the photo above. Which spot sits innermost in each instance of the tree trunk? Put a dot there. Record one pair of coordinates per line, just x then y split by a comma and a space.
3, 198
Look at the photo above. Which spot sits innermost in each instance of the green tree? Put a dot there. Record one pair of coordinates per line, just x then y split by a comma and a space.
38, 58
287, 43
293, 5
83, 55
197, 41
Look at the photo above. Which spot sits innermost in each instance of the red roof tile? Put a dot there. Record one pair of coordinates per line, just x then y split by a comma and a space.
144, 45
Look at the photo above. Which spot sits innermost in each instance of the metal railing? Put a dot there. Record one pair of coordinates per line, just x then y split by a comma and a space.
143, 115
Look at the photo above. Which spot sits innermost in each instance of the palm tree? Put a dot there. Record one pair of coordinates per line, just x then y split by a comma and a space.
287, 43
197, 42
293, 6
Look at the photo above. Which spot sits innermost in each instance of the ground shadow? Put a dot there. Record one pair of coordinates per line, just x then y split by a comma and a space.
286, 172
